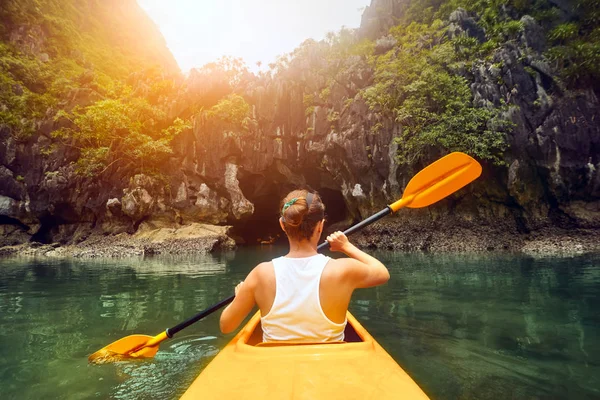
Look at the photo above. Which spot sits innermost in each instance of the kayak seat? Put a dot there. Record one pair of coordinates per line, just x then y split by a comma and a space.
255, 339
293, 343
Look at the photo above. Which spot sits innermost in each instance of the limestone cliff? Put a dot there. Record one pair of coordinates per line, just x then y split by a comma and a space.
310, 124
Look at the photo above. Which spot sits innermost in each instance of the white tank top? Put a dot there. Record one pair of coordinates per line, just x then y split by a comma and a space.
296, 313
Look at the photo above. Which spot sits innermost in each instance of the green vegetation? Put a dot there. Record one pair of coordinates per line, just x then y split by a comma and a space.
422, 81
126, 133
113, 38
416, 86
418, 78
233, 110
574, 43
26, 91
416, 83
63, 49
576, 46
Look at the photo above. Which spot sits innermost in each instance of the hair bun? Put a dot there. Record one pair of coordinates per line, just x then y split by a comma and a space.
300, 212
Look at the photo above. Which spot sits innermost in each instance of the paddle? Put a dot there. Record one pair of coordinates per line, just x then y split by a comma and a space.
436, 181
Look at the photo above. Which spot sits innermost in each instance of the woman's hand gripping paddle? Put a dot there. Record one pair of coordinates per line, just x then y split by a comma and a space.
433, 183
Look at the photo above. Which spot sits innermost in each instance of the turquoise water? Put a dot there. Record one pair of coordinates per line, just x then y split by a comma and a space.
464, 327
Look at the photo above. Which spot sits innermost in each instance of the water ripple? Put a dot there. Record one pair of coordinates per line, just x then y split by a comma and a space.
153, 379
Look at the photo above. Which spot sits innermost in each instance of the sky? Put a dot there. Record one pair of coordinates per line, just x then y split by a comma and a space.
201, 31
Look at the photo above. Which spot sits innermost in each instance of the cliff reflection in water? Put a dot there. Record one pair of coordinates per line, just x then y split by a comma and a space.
491, 327
464, 327
54, 313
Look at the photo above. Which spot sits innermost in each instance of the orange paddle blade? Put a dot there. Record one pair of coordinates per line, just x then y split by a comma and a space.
439, 180
133, 346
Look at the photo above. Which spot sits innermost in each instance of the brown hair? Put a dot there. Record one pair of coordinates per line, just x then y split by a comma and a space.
299, 218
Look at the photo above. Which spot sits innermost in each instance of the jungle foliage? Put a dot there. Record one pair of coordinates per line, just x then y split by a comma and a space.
418, 85
54, 51
58, 51
572, 29
128, 133
421, 79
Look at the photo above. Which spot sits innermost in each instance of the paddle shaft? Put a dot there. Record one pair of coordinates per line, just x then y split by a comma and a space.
360, 225
172, 331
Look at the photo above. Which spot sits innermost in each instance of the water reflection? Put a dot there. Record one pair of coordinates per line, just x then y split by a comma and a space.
489, 328
463, 326
183, 265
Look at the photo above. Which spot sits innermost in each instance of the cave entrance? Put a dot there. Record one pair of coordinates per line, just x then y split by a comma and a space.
44, 234
335, 208
263, 225
4, 220
62, 214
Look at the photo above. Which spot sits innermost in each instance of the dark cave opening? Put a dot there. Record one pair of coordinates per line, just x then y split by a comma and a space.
44, 234
4, 220
263, 226
62, 213
335, 208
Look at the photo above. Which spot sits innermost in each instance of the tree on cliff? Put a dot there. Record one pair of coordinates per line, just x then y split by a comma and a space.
127, 134
417, 84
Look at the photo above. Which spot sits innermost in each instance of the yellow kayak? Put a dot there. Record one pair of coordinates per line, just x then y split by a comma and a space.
358, 368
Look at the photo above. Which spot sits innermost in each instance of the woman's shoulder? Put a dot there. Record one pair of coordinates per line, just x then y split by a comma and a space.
263, 268
343, 267
264, 265
341, 262
259, 273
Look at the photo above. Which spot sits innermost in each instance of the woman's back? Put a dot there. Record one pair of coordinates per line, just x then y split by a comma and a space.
293, 310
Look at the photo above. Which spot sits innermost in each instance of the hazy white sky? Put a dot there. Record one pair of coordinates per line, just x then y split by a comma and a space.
200, 31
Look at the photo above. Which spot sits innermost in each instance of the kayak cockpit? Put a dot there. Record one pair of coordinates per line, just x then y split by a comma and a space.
255, 338
251, 337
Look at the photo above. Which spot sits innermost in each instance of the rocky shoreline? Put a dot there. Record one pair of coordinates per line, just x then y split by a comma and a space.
401, 236
449, 237
191, 239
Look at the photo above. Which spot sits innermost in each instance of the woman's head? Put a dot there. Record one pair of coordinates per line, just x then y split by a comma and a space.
301, 212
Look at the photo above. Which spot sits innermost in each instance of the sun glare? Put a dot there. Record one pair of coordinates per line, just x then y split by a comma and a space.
200, 31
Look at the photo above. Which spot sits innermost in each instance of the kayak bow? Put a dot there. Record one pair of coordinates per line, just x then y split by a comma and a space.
356, 369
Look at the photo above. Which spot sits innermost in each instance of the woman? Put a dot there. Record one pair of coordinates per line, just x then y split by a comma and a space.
304, 296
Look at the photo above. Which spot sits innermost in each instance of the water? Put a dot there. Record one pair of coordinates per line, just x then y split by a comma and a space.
464, 327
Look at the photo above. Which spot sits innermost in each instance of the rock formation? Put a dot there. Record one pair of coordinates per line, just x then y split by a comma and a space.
219, 174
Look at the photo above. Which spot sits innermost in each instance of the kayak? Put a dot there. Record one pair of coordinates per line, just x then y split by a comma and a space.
358, 368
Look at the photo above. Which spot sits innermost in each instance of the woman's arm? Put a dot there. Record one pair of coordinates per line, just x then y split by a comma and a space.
244, 302
361, 269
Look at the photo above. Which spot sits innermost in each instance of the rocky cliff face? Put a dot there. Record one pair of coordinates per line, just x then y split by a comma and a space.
550, 179
228, 175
